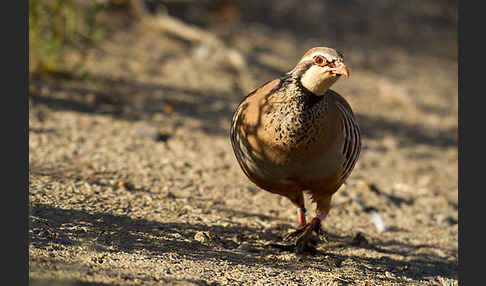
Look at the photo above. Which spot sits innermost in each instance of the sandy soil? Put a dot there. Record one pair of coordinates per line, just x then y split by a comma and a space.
133, 181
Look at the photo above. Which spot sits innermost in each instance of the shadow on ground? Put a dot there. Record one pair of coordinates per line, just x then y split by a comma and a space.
131, 100
55, 227
66, 282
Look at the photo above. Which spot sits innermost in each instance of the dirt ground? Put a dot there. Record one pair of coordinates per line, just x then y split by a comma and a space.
133, 181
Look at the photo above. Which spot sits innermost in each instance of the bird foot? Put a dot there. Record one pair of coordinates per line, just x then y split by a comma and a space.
296, 233
307, 236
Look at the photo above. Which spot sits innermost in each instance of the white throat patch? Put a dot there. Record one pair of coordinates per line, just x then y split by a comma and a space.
315, 80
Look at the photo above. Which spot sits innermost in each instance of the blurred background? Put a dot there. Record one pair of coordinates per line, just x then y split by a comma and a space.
404, 51
130, 105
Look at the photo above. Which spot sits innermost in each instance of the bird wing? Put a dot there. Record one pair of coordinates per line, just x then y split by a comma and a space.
351, 148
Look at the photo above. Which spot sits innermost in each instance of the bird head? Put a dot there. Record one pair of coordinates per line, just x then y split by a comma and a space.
319, 69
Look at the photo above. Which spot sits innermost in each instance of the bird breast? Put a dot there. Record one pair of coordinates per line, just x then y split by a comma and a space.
291, 133
292, 127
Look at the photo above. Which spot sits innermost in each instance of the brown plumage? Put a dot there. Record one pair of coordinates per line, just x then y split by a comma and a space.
294, 134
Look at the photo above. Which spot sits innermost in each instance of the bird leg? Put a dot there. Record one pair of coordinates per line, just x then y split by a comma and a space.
302, 224
301, 215
308, 234
313, 225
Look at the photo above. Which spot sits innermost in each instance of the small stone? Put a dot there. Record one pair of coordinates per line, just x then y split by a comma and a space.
203, 237
362, 185
378, 221
244, 246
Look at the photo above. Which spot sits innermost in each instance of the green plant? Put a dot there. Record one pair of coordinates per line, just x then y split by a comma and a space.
56, 26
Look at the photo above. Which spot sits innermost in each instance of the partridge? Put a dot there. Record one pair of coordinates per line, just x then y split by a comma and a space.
295, 134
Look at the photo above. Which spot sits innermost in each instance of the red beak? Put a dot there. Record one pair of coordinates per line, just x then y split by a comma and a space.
341, 69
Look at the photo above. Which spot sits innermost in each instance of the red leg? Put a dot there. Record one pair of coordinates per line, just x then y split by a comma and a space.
308, 241
301, 216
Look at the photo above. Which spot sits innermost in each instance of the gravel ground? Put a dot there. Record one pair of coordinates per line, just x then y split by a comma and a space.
133, 181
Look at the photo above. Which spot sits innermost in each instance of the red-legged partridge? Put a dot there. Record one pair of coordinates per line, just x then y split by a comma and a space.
295, 134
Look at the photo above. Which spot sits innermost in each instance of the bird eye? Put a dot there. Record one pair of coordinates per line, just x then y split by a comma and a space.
320, 60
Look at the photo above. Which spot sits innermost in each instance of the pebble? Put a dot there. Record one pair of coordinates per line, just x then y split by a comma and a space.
203, 237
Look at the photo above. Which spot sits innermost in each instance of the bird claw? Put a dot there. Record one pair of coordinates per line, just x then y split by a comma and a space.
308, 236
307, 242
296, 233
